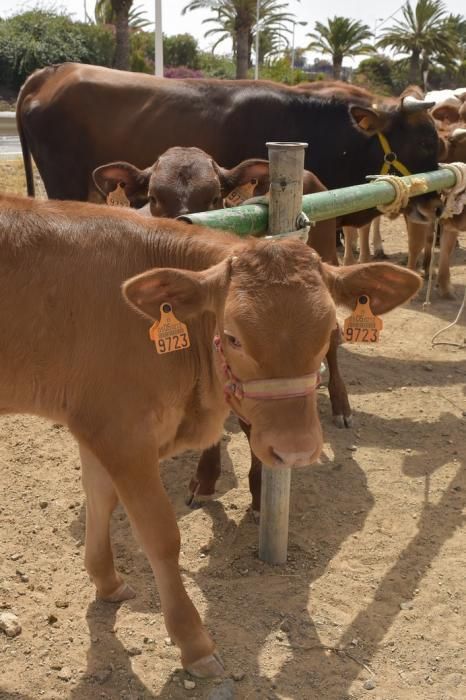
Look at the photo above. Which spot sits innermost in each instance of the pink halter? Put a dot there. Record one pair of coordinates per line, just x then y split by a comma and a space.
264, 389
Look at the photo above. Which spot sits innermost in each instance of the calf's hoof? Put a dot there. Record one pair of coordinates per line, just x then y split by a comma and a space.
380, 254
256, 515
342, 421
447, 293
207, 667
196, 500
122, 593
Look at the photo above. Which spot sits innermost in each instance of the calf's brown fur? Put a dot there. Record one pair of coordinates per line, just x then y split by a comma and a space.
72, 351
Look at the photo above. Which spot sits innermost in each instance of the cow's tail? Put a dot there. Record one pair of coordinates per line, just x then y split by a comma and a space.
27, 158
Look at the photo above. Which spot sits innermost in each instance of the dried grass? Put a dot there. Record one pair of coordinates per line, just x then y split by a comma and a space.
13, 179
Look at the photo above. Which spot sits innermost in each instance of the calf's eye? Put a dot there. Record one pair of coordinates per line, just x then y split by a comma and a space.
233, 341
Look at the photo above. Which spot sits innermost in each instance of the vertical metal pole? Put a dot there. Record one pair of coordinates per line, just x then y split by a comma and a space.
286, 191
292, 52
256, 67
158, 39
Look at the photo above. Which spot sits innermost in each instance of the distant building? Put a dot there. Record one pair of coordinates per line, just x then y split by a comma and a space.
321, 67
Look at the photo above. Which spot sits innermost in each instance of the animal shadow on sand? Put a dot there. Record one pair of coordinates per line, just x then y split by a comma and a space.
238, 587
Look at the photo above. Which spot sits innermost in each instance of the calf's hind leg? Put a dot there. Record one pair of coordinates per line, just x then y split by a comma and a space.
101, 500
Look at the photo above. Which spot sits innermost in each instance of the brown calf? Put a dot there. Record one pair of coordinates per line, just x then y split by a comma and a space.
188, 180
72, 351
421, 236
182, 181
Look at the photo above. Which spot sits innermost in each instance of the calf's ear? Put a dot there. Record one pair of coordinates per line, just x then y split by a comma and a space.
387, 285
134, 181
311, 183
253, 169
189, 293
446, 113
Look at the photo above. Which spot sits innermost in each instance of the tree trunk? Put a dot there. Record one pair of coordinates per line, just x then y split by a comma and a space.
337, 63
425, 71
242, 53
414, 68
121, 59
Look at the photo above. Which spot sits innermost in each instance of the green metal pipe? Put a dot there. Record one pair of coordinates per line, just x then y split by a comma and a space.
251, 219
247, 220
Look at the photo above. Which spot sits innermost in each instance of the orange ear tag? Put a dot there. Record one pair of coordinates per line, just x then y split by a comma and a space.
240, 194
169, 334
362, 326
118, 198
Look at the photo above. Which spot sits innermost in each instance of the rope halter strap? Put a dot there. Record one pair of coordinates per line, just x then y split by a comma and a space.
390, 158
264, 389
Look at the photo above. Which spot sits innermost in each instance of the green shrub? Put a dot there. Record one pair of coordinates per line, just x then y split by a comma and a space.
376, 74
280, 71
180, 50
38, 38
214, 66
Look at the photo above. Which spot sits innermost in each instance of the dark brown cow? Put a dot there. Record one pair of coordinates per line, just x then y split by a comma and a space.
448, 116
74, 353
74, 117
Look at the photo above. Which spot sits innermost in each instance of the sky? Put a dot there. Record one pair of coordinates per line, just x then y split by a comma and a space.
372, 12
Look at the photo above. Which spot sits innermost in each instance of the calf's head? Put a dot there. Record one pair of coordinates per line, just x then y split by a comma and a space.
181, 181
274, 307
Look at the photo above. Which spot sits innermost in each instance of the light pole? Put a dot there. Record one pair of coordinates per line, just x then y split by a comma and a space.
303, 24
256, 67
158, 39
377, 23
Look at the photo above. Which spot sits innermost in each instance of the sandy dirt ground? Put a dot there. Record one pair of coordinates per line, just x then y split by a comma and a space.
371, 603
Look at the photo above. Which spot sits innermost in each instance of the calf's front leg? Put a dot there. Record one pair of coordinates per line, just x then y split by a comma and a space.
448, 238
364, 250
350, 235
133, 469
202, 485
341, 408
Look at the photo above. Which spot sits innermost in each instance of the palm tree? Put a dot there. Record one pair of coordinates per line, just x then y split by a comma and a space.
236, 19
425, 33
341, 37
124, 17
275, 29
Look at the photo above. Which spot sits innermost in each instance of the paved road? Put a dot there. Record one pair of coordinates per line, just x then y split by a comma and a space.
9, 147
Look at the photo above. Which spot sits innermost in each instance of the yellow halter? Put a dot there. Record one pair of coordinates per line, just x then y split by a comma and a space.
390, 158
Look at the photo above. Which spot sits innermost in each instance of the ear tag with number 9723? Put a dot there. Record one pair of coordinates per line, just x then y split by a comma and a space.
169, 334
118, 198
362, 326
240, 194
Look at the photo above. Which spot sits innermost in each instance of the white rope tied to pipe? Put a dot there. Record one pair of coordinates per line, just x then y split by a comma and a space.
455, 200
402, 193
432, 264
450, 325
